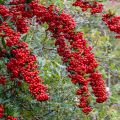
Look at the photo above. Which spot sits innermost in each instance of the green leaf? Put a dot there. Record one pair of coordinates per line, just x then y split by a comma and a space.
2, 1
3, 43
1, 18
16, 114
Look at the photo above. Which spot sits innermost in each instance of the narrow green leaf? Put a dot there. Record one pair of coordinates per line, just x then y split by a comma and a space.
3, 43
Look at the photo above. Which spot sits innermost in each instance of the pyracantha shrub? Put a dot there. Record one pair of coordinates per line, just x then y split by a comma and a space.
74, 50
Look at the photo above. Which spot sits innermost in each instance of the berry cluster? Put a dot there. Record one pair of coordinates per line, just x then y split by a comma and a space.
113, 23
4, 12
95, 7
11, 118
81, 66
98, 87
1, 111
2, 80
22, 63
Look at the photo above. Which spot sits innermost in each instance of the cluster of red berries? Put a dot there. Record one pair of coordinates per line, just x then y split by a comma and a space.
19, 16
95, 7
98, 87
71, 46
22, 63
81, 66
2, 80
11, 118
113, 23
1, 111
4, 12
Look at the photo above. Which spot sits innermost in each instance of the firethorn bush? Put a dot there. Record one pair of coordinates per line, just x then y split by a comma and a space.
56, 60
